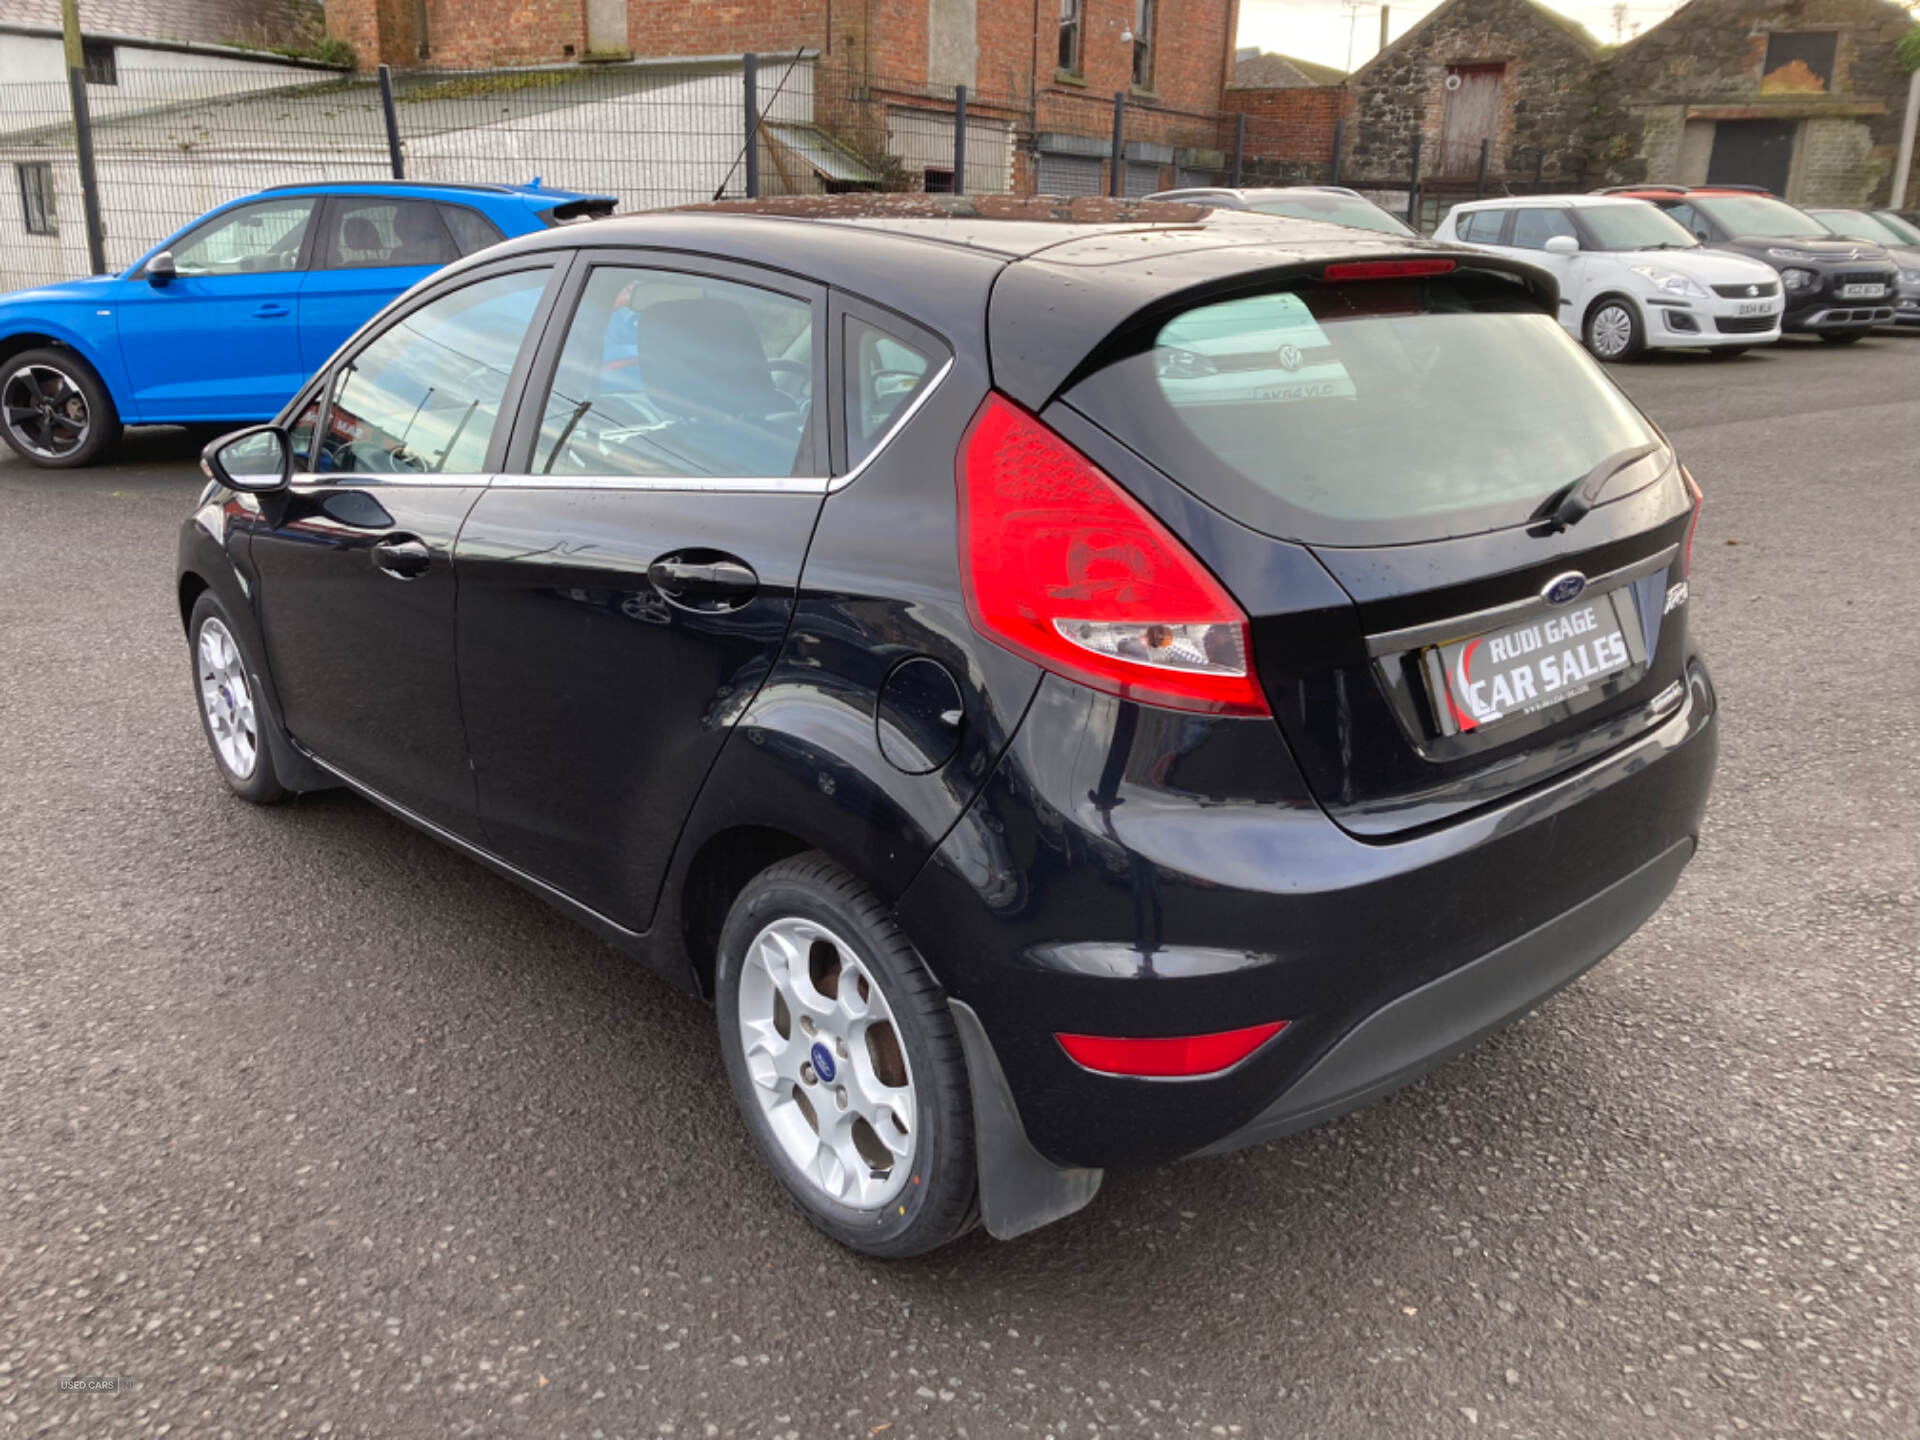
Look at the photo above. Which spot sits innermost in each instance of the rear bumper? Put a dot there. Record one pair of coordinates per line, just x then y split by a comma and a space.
1431, 1024
1133, 872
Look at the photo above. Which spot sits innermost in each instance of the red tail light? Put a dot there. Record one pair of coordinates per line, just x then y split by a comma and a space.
1064, 567
1693, 489
1167, 1057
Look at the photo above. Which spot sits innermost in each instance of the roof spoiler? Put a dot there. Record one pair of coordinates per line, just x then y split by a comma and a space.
594, 207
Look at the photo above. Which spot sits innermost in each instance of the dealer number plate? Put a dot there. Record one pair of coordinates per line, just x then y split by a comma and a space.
1756, 307
1483, 680
1862, 292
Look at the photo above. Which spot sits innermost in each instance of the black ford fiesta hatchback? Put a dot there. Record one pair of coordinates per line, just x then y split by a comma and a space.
1077, 687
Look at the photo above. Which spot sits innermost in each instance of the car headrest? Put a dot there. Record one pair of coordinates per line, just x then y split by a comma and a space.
706, 352
359, 234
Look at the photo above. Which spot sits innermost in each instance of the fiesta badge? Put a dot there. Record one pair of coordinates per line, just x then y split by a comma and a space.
1564, 589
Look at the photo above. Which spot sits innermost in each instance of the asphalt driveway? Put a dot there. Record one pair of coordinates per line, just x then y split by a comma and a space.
311, 1127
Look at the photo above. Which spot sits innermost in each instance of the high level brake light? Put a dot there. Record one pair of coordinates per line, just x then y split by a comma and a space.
1063, 566
1386, 269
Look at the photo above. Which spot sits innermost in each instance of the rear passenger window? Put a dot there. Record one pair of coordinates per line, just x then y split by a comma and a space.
376, 231
423, 396
1533, 228
883, 374
672, 374
470, 229
1481, 227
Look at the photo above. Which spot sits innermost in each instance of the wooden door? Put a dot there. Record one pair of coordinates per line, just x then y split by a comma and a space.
1472, 116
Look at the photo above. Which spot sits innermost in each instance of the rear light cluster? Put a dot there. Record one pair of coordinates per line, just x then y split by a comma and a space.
1693, 522
1063, 566
1167, 1057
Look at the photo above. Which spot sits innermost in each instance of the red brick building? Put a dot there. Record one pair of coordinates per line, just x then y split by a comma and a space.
1177, 54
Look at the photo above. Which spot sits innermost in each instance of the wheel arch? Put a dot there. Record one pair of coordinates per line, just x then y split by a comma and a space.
1639, 310
191, 587
719, 869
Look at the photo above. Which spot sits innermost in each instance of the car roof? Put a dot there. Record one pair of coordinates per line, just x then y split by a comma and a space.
428, 187
1085, 264
1542, 202
1650, 192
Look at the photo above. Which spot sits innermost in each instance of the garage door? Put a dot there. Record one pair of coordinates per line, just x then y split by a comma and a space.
1068, 175
1143, 178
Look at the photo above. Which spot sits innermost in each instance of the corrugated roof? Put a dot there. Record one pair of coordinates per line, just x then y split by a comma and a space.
820, 150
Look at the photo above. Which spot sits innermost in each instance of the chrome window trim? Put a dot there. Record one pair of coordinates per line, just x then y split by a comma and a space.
310, 483
743, 485
1395, 642
764, 484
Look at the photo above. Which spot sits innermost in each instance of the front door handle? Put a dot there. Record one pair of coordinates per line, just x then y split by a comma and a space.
271, 311
705, 580
403, 556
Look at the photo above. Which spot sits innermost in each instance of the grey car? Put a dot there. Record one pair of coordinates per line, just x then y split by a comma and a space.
1335, 204
1893, 237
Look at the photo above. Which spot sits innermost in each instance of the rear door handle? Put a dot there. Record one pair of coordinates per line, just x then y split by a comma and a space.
404, 557
704, 580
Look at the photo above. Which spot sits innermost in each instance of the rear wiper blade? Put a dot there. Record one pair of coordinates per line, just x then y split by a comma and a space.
1573, 503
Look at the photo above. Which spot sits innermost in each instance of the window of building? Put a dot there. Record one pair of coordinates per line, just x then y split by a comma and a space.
97, 63
1070, 36
1799, 63
1533, 227
937, 181
36, 197
668, 373
1143, 16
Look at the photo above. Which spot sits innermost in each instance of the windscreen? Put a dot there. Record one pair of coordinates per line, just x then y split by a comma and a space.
1856, 226
1908, 233
1636, 227
1756, 215
1334, 209
1374, 413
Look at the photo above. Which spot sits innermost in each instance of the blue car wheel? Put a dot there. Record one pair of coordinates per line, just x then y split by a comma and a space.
54, 411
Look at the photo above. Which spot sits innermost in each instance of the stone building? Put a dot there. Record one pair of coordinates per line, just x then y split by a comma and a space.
1804, 97
1510, 73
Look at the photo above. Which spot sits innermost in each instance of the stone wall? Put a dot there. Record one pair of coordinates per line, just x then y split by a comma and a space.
1546, 91
1661, 94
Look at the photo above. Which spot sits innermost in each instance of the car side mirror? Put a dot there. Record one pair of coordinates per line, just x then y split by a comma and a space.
160, 269
257, 460
1562, 245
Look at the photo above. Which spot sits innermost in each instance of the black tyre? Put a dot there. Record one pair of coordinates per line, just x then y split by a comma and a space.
1843, 337
844, 1060
232, 716
1613, 329
54, 411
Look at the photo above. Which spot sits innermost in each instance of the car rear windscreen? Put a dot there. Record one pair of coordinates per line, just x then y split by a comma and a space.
1375, 413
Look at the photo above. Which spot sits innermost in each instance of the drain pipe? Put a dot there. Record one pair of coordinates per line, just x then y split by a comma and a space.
1897, 197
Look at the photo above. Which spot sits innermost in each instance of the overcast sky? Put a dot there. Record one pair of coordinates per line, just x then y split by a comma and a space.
1319, 29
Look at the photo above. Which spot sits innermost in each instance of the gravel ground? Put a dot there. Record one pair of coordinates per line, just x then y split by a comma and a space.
313, 1128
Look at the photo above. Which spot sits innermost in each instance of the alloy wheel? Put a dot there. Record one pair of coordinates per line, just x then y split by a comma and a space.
827, 1063
45, 411
227, 699
1612, 332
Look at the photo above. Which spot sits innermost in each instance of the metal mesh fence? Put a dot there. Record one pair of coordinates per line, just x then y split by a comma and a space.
169, 144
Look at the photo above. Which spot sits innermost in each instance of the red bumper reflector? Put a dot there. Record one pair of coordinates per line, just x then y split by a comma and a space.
1165, 1057
1386, 269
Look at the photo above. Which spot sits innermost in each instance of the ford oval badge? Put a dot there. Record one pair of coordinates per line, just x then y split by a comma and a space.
822, 1063
1564, 589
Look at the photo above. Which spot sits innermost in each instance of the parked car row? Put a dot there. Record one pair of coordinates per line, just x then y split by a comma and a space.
1718, 268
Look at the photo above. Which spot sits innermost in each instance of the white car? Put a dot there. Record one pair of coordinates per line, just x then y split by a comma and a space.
1631, 277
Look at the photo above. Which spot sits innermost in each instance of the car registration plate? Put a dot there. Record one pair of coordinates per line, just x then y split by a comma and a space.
1483, 680
1862, 292
1755, 307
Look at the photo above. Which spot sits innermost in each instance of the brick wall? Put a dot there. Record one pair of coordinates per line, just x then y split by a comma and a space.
1291, 125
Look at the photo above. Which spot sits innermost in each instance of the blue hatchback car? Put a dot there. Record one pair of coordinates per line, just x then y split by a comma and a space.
221, 322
